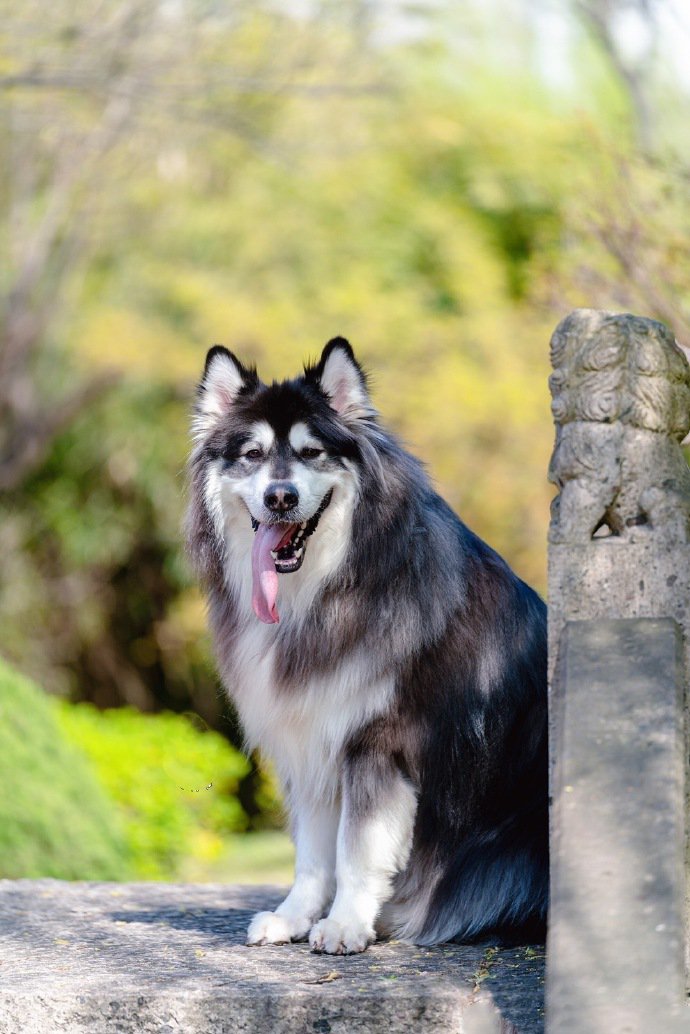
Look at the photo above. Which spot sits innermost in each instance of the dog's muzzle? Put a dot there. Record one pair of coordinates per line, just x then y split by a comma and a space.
290, 552
278, 549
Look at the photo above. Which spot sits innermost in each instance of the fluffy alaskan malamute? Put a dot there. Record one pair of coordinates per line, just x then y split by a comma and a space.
388, 662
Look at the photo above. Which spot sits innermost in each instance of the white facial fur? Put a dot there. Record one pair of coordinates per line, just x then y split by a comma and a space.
262, 436
229, 497
249, 478
301, 437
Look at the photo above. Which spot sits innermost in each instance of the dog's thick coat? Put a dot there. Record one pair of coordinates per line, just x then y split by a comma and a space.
396, 678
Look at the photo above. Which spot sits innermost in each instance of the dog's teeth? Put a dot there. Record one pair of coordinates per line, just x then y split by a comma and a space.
303, 525
274, 554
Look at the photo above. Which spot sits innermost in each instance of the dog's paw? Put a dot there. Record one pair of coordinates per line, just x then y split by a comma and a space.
334, 938
272, 928
268, 928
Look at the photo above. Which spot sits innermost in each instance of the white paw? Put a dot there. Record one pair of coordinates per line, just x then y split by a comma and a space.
272, 928
268, 928
339, 939
299, 926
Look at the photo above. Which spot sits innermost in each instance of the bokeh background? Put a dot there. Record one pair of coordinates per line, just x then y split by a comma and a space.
438, 181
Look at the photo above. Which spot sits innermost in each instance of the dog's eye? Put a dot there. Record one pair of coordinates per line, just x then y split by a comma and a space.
309, 453
253, 454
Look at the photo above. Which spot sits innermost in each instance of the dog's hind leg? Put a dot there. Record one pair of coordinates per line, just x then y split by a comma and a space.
374, 841
315, 830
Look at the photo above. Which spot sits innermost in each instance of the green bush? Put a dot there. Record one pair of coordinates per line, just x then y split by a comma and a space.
174, 784
55, 820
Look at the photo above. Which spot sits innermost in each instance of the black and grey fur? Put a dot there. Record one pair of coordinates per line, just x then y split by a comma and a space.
402, 694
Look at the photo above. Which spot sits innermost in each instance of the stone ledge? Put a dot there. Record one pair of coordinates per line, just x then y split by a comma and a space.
96, 958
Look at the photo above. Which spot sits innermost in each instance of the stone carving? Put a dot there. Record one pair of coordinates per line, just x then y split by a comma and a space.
621, 404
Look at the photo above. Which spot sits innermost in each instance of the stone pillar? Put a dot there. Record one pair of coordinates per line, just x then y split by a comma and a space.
619, 550
618, 541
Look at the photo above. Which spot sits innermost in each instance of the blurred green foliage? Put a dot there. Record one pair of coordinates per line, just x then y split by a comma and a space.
174, 784
55, 819
117, 795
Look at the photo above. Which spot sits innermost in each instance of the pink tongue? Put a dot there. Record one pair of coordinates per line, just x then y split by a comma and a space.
265, 576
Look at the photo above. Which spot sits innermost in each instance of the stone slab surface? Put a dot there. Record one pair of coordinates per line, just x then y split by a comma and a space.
616, 926
96, 958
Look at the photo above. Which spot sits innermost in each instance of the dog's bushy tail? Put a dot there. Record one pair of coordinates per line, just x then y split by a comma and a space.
492, 887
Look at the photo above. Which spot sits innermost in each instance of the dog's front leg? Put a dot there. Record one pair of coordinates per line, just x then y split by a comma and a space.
374, 841
315, 830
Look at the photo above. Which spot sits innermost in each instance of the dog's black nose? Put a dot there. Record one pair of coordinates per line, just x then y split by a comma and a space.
280, 496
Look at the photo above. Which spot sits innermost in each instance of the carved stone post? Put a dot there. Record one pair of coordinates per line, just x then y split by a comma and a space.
619, 654
619, 525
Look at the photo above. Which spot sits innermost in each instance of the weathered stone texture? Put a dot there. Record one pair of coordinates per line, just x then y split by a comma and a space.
618, 549
101, 958
616, 932
611, 578
621, 404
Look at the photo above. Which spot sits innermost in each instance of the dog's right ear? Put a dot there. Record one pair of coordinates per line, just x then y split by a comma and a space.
224, 378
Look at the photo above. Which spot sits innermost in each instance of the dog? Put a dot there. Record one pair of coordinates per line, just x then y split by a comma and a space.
387, 661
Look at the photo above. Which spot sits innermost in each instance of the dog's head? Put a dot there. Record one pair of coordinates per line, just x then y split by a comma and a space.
279, 455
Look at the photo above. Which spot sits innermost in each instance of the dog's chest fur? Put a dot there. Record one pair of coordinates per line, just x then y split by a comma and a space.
302, 728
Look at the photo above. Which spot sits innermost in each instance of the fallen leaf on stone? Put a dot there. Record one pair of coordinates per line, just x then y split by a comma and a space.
325, 978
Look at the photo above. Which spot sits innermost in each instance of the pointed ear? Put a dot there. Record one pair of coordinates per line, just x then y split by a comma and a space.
341, 378
223, 379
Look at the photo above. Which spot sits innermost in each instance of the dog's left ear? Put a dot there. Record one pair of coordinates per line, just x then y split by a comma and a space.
341, 378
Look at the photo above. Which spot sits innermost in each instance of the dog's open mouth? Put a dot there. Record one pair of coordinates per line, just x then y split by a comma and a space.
278, 549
